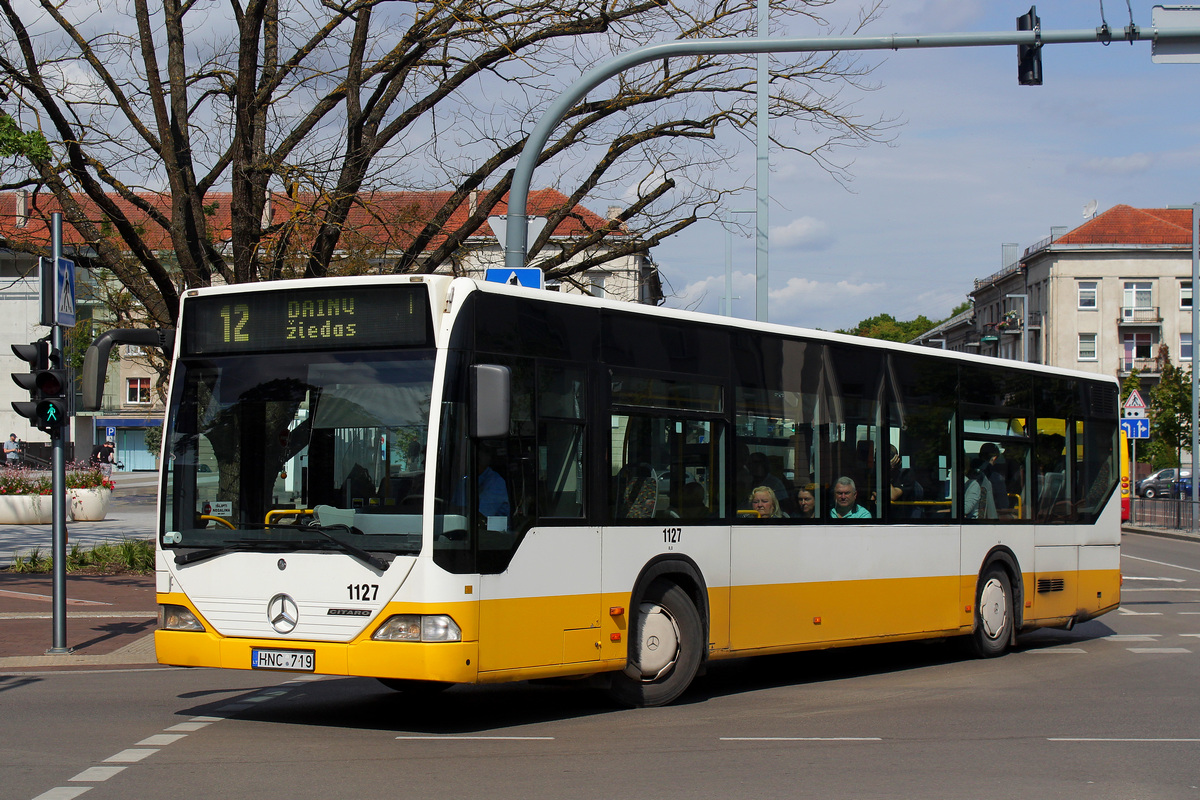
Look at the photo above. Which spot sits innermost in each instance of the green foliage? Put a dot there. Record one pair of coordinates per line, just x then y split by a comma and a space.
1170, 407
154, 440
126, 555
16, 142
965, 305
887, 327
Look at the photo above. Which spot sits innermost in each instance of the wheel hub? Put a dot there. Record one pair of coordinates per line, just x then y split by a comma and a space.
659, 646
993, 608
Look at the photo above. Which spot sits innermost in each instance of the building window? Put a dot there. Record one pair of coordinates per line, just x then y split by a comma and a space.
1185, 347
1138, 300
137, 391
1185, 294
1138, 347
1087, 294
1087, 347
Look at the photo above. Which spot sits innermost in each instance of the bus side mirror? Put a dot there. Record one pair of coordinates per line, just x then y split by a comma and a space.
95, 361
490, 401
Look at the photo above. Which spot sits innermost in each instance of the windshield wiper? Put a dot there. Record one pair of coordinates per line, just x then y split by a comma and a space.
362, 555
195, 555
236, 545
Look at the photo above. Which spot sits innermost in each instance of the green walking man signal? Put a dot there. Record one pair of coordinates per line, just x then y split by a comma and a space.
47, 383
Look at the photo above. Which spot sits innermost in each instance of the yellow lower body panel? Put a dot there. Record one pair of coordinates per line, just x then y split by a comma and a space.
451, 662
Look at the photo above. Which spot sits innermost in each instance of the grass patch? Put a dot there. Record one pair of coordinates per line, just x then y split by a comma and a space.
107, 558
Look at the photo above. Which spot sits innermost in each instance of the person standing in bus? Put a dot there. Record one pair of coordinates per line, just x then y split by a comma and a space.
845, 500
989, 452
977, 494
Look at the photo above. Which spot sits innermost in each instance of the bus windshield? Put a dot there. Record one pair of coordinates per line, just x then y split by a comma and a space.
298, 451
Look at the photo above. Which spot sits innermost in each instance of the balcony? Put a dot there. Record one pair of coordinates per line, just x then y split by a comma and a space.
1139, 315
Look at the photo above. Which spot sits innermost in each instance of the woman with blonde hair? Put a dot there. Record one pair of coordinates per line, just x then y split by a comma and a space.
764, 501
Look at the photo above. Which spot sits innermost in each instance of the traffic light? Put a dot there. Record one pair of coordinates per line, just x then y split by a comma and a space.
1029, 56
47, 383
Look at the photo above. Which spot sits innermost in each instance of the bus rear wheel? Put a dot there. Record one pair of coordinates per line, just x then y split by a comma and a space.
993, 613
665, 647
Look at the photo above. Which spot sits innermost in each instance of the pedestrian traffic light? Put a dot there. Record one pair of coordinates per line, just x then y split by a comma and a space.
47, 383
1029, 56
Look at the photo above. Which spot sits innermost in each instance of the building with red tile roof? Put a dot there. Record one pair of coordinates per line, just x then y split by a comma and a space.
1102, 297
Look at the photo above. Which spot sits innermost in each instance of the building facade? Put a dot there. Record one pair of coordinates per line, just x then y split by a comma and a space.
1101, 297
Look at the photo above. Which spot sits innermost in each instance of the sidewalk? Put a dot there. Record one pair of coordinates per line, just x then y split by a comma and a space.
110, 618
110, 622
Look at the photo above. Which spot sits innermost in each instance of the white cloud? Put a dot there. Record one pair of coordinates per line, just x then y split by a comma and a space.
805, 233
1125, 165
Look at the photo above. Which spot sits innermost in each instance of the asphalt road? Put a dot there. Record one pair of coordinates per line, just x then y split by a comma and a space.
1108, 710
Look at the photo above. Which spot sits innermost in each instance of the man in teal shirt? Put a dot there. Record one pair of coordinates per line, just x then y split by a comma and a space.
845, 505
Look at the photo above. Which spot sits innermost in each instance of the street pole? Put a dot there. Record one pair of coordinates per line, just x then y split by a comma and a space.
1024, 298
1195, 377
762, 168
531, 153
58, 474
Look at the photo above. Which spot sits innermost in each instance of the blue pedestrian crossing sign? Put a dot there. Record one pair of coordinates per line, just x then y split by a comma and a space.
520, 276
1136, 428
64, 293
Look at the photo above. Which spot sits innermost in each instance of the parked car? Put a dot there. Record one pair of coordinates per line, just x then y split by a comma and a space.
1162, 483
1182, 488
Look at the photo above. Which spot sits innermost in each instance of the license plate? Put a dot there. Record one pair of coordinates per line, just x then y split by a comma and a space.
293, 660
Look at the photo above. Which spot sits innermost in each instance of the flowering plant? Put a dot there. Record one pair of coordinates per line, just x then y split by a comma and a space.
21, 480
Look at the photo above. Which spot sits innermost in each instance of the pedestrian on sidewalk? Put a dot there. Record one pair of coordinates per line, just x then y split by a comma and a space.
103, 456
12, 451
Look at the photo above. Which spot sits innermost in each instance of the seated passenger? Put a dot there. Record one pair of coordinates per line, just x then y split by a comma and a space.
806, 503
764, 501
845, 500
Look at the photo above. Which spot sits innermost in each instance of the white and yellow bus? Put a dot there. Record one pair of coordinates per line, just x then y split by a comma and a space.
434, 481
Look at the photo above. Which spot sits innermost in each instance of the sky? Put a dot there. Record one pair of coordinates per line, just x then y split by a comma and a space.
979, 161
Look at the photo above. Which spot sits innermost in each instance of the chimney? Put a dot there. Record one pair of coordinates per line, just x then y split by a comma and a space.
613, 212
268, 215
22, 207
472, 203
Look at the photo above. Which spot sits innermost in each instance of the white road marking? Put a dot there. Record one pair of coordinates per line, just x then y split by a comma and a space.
97, 774
63, 793
1157, 589
1056, 650
1143, 650
161, 739
1129, 612
1166, 580
188, 726
1133, 637
131, 755
1098, 739
1160, 563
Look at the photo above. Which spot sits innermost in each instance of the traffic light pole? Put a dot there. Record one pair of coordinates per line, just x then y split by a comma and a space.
58, 474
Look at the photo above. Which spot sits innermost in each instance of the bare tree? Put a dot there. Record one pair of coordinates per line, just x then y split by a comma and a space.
330, 100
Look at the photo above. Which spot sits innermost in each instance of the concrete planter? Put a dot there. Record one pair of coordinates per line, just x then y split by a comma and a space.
88, 505
26, 509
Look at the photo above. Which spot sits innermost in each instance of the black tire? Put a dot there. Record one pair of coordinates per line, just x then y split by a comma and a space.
415, 688
656, 676
1149, 493
993, 613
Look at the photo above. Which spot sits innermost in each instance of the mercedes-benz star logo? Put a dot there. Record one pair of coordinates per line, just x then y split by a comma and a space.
283, 613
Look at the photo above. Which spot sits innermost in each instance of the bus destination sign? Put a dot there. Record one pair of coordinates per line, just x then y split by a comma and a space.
306, 319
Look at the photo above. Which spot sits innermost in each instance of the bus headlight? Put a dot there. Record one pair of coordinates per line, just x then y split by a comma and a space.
177, 618
419, 628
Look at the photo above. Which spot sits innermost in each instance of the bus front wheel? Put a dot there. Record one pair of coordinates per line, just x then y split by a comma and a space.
665, 647
993, 613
